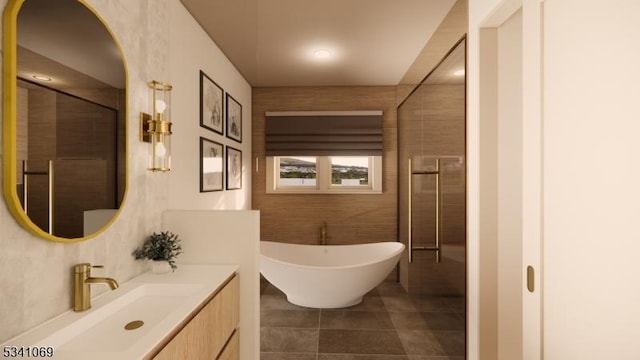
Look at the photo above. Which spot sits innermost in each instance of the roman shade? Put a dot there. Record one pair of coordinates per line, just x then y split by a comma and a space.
323, 133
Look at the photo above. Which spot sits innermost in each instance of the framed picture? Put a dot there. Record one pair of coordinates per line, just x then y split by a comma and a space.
234, 119
211, 165
211, 106
234, 168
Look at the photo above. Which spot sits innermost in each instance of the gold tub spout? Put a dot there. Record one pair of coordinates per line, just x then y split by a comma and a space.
323, 233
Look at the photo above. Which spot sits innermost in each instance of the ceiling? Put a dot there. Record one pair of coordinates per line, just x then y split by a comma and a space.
272, 43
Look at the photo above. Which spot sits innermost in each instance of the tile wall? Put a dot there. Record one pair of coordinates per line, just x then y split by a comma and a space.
350, 219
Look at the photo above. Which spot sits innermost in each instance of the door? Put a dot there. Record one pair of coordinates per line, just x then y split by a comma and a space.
432, 178
591, 192
580, 194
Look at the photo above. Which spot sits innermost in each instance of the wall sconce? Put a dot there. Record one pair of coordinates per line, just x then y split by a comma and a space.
156, 129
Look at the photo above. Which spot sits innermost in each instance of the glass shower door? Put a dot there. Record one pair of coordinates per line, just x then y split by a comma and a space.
432, 189
436, 224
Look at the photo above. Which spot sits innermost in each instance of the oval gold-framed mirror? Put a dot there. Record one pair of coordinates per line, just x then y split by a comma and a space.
64, 119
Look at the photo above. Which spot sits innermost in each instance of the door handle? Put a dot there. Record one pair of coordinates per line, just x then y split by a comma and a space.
530, 278
438, 241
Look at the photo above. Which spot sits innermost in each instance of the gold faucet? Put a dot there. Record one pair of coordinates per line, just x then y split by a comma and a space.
82, 297
323, 233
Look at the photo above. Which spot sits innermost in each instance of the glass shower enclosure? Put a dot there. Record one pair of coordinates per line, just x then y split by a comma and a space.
432, 178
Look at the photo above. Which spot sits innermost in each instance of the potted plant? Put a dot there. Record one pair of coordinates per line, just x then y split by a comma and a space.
162, 249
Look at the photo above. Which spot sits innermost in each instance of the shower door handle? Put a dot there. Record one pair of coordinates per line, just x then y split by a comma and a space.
410, 216
25, 189
437, 247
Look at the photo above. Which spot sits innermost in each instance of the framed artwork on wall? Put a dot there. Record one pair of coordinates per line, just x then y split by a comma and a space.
211, 165
234, 168
211, 105
234, 119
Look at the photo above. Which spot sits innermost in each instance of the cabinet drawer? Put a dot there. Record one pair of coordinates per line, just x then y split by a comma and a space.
232, 350
206, 334
225, 315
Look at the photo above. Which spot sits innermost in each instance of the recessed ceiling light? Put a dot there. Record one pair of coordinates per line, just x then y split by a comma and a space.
459, 72
41, 77
321, 54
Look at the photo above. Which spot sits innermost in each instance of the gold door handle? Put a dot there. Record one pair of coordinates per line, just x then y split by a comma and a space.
530, 278
437, 247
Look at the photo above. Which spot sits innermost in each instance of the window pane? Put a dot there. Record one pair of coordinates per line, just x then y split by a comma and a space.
349, 170
298, 171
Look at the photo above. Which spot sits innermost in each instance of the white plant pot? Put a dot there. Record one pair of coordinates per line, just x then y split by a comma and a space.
160, 266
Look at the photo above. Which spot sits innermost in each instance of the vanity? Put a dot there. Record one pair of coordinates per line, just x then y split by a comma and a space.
211, 333
192, 313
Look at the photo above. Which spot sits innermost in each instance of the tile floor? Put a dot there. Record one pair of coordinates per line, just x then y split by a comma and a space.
387, 325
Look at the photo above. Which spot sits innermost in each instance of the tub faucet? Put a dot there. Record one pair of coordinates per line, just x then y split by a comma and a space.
83, 279
323, 233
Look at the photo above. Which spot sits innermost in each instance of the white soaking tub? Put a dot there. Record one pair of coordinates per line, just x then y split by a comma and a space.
327, 276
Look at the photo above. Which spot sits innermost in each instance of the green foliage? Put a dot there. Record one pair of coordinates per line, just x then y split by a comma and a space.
297, 175
163, 246
351, 173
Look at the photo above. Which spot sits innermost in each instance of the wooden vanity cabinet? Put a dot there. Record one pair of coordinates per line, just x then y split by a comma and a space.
212, 334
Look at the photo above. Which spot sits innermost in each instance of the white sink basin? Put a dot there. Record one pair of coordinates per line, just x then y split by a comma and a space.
161, 302
103, 328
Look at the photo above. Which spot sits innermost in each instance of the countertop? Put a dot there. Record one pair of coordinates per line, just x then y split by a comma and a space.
203, 279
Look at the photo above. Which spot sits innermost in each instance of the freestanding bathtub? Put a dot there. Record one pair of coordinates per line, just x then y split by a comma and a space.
327, 276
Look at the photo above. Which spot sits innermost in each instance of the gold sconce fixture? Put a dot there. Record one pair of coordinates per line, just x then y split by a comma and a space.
156, 128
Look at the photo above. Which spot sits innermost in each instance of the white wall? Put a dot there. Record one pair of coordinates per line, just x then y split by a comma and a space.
190, 51
226, 237
35, 275
482, 182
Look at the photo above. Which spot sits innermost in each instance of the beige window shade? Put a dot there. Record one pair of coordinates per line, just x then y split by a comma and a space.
324, 133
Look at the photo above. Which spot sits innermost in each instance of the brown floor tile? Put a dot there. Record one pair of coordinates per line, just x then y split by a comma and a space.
420, 342
426, 321
290, 318
361, 357
398, 303
390, 288
288, 340
408, 320
443, 321
269, 289
373, 292
430, 303
457, 304
277, 302
360, 342
387, 325
369, 303
287, 356
453, 342
355, 320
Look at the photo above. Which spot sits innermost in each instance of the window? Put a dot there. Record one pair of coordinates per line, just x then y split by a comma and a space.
324, 174
349, 171
298, 171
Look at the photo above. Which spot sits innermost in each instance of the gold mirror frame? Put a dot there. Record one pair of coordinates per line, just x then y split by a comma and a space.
9, 124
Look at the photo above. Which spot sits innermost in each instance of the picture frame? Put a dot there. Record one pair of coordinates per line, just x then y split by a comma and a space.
211, 165
211, 104
234, 119
234, 168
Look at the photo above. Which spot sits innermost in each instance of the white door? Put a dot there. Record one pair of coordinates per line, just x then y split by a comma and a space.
580, 177
591, 173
